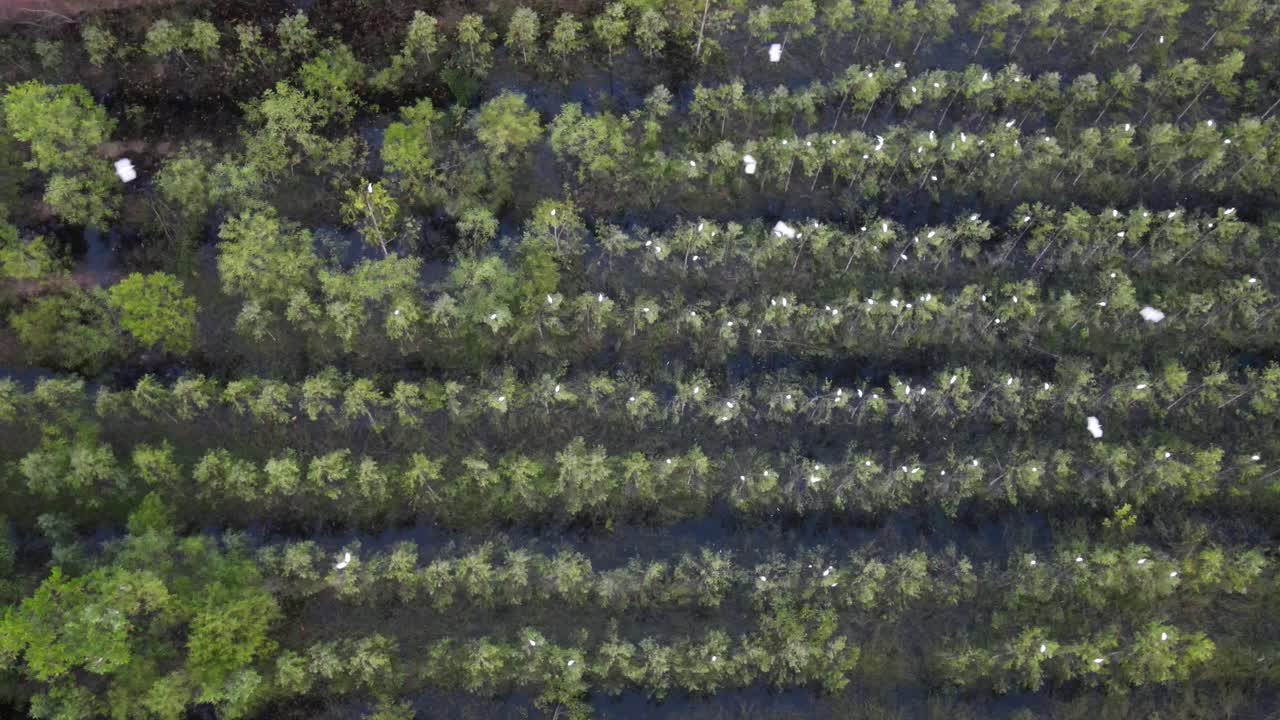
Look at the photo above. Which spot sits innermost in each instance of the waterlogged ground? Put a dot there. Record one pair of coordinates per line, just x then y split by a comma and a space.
897, 677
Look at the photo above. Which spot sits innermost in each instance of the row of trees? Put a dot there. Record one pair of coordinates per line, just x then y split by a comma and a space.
591, 404
559, 42
653, 156
159, 623
1127, 581
1122, 163
579, 482
290, 128
818, 258
488, 307
737, 111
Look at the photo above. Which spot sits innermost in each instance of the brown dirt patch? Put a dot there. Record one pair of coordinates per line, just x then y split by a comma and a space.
55, 12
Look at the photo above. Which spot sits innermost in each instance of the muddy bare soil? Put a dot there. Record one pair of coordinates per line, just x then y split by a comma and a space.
53, 12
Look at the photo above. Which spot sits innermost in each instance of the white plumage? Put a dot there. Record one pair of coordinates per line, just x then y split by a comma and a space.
124, 169
1095, 427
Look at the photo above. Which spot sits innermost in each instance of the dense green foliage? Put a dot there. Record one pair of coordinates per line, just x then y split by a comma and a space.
648, 358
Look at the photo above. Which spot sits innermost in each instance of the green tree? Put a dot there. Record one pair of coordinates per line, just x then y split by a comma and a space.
505, 127
99, 43
414, 58
478, 228
64, 127
611, 28
475, 45
163, 622
71, 331
31, 259
89, 198
333, 78
267, 262
163, 37
990, 19
410, 146
596, 146
375, 212
286, 130
156, 310
186, 192
566, 39
522, 32
297, 39
650, 30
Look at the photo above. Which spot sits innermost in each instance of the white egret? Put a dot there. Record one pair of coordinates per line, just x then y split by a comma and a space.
1094, 427
342, 565
775, 53
1151, 314
125, 171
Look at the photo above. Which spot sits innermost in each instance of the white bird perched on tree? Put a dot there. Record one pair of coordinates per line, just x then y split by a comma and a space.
749, 164
775, 52
1151, 314
124, 169
342, 564
782, 229
1095, 427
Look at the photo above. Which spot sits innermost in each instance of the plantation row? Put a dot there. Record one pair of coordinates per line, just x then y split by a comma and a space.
809, 657
560, 405
622, 162
171, 606
1121, 163
735, 110
273, 267
1123, 582
1169, 90
558, 44
628, 162
589, 484
817, 258
483, 312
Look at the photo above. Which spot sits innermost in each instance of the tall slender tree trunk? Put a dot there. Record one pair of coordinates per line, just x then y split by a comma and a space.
697, 51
